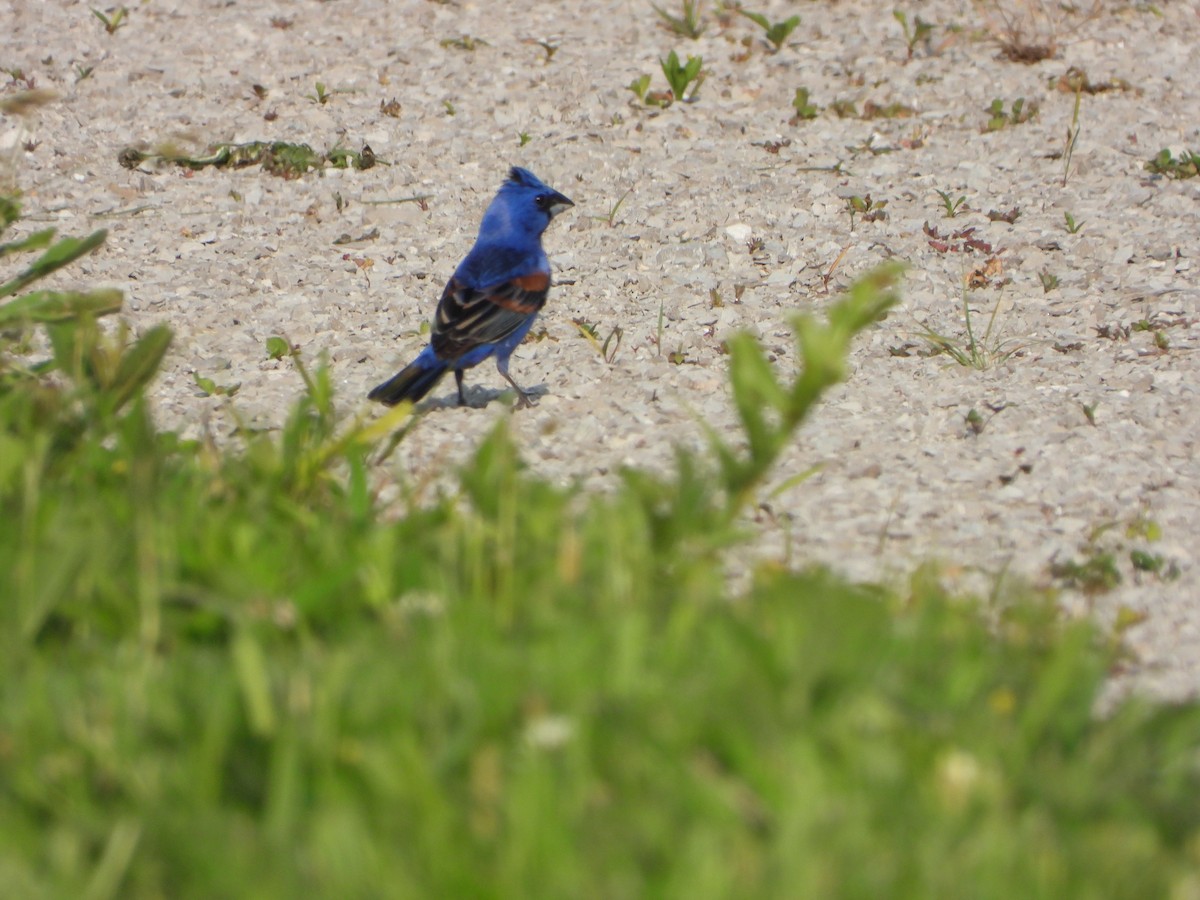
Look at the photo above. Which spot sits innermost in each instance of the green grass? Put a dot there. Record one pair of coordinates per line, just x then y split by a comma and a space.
233, 673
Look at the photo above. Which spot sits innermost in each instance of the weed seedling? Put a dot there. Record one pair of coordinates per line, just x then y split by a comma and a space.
951, 205
17, 74
1073, 227
116, 20
917, 33
1049, 281
1147, 562
893, 110
776, 33
321, 96
523, 138
547, 48
976, 352
613, 339
1072, 137
870, 210
466, 42
1010, 216
277, 347
83, 72
1096, 574
589, 330
1186, 165
210, 388
1018, 114
611, 218
449, 107
804, 109
844, 109
688, 23
679, 77
1089, 412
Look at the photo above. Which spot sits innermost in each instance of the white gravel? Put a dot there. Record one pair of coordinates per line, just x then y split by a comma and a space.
228, 258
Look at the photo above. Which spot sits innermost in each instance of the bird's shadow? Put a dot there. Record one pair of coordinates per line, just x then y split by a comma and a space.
478, 397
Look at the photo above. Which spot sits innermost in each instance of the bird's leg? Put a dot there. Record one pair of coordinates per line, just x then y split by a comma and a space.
523, 395
458, 378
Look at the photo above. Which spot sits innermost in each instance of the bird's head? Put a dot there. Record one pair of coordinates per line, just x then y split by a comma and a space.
526, 187
522, 209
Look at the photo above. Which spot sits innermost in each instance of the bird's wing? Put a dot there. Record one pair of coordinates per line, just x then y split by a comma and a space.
468, 317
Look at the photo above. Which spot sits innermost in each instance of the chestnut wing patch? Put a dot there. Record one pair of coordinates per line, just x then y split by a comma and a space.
468, 317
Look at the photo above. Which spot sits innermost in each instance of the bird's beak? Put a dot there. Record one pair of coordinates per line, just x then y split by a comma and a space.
558, 203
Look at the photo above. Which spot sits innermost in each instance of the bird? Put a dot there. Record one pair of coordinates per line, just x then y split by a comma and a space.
493, 297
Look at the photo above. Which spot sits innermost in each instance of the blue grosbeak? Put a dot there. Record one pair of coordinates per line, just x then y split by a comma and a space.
493, 297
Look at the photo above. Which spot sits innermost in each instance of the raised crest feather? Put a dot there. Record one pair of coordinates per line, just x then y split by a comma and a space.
522, 176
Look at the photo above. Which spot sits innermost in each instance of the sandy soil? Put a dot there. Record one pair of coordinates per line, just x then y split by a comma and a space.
724, 194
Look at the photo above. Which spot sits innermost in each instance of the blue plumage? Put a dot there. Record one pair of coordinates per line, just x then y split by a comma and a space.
492, 298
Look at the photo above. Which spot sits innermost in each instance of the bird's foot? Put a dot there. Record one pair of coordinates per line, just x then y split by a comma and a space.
524, 398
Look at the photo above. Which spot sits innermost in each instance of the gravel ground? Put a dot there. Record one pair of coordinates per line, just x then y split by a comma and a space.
724, 194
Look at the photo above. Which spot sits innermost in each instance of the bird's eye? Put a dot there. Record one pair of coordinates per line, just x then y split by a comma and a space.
542, 201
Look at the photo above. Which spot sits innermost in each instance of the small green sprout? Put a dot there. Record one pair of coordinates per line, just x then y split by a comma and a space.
639, 86
893, 110
321, 96
611, 218
278, 347
951, 205
1096, 574
659, 331
590, 330
547, 48
466, 42
679, 77
1186, 165
1049, 281
1073, 227
1018, 114
917, 33
1146, 562
870, 210
688, 24
449, 107
1072, 134
844, 109
976, 351
975, 421
613, 339
211, 389
776, 33
118, 19
804, 109
523, 138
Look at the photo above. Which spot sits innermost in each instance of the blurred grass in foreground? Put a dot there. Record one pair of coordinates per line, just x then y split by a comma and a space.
227, 674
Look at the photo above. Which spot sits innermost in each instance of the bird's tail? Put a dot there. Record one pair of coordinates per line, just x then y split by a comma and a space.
412, 382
